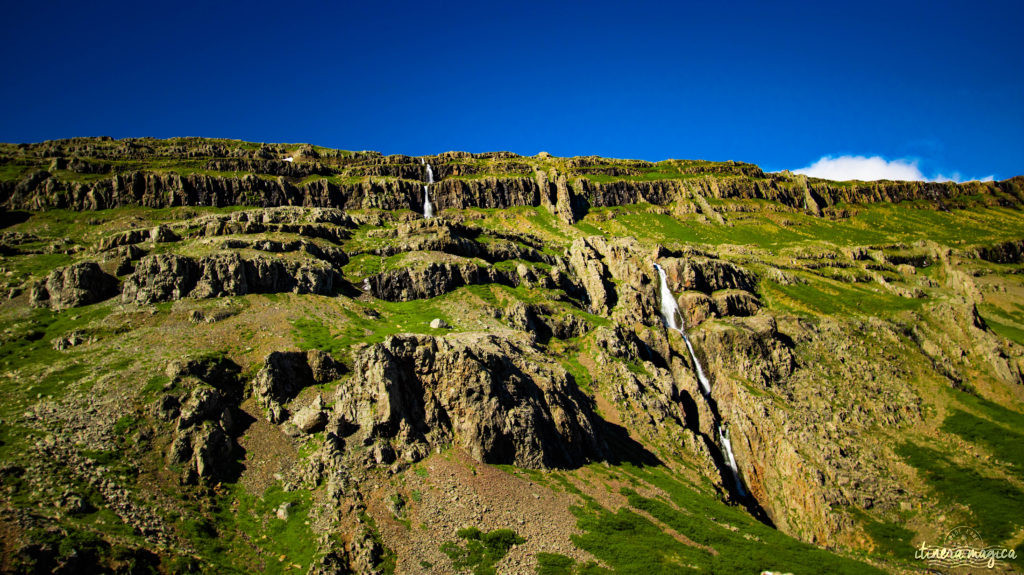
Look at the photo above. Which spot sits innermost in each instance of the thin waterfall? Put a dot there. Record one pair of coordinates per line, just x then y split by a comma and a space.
428, 208
670, 313
723, 437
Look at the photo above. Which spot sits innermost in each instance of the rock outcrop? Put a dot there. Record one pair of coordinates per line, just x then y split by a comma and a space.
1004, 253
429, 280
815, 449
592, 274
543, 322
707, 275
285, 373
490, 395
206, 419
459, 240
166, 277
72, 286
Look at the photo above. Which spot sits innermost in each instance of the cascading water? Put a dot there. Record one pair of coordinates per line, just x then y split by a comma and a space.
723, 437
428, 208
669, 313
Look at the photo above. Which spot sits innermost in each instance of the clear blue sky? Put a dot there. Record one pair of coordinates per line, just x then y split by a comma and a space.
780, 84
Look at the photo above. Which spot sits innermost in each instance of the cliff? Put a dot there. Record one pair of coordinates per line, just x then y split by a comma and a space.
71, 174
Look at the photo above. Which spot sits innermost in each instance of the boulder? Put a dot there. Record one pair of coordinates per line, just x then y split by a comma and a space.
73, 286
311, 418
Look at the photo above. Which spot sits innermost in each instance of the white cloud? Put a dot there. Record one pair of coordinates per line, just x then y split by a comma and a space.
862, 168
874, 168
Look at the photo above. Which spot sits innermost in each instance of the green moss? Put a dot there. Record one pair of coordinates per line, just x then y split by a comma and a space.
481, 551
569, 358
890, 539
1009, 329
362, 266
369, 323
155, 385
554, 564
244, 531
759, 224
312, 334
28, 350
15, 171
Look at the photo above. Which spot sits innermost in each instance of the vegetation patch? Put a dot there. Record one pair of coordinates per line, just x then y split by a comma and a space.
994, 502
630, 543
1005, 444
481, 551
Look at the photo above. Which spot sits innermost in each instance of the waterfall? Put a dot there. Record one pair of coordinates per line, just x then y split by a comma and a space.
669, 313
428, 208
669, 307
705, 385
723, 437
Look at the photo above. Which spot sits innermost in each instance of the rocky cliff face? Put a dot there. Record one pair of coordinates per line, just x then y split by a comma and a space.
206, 419
492, 396
433, 279
285, 374
169, 277
369, 180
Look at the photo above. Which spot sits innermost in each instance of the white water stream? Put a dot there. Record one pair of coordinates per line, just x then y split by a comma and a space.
669, 313
428, 208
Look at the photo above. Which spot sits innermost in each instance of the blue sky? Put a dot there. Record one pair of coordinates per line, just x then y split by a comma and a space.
936, 85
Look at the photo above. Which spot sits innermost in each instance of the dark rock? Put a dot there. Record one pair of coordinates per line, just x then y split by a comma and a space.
166, 277
488, 394
286, 373
433, 279
1004, 253
736, 302
72, 286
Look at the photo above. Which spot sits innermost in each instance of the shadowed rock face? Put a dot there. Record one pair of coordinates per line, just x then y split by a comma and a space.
707, 275
490, 395
434, 279
167, 277
1004, 253
206, 419
285, 373
72, 286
